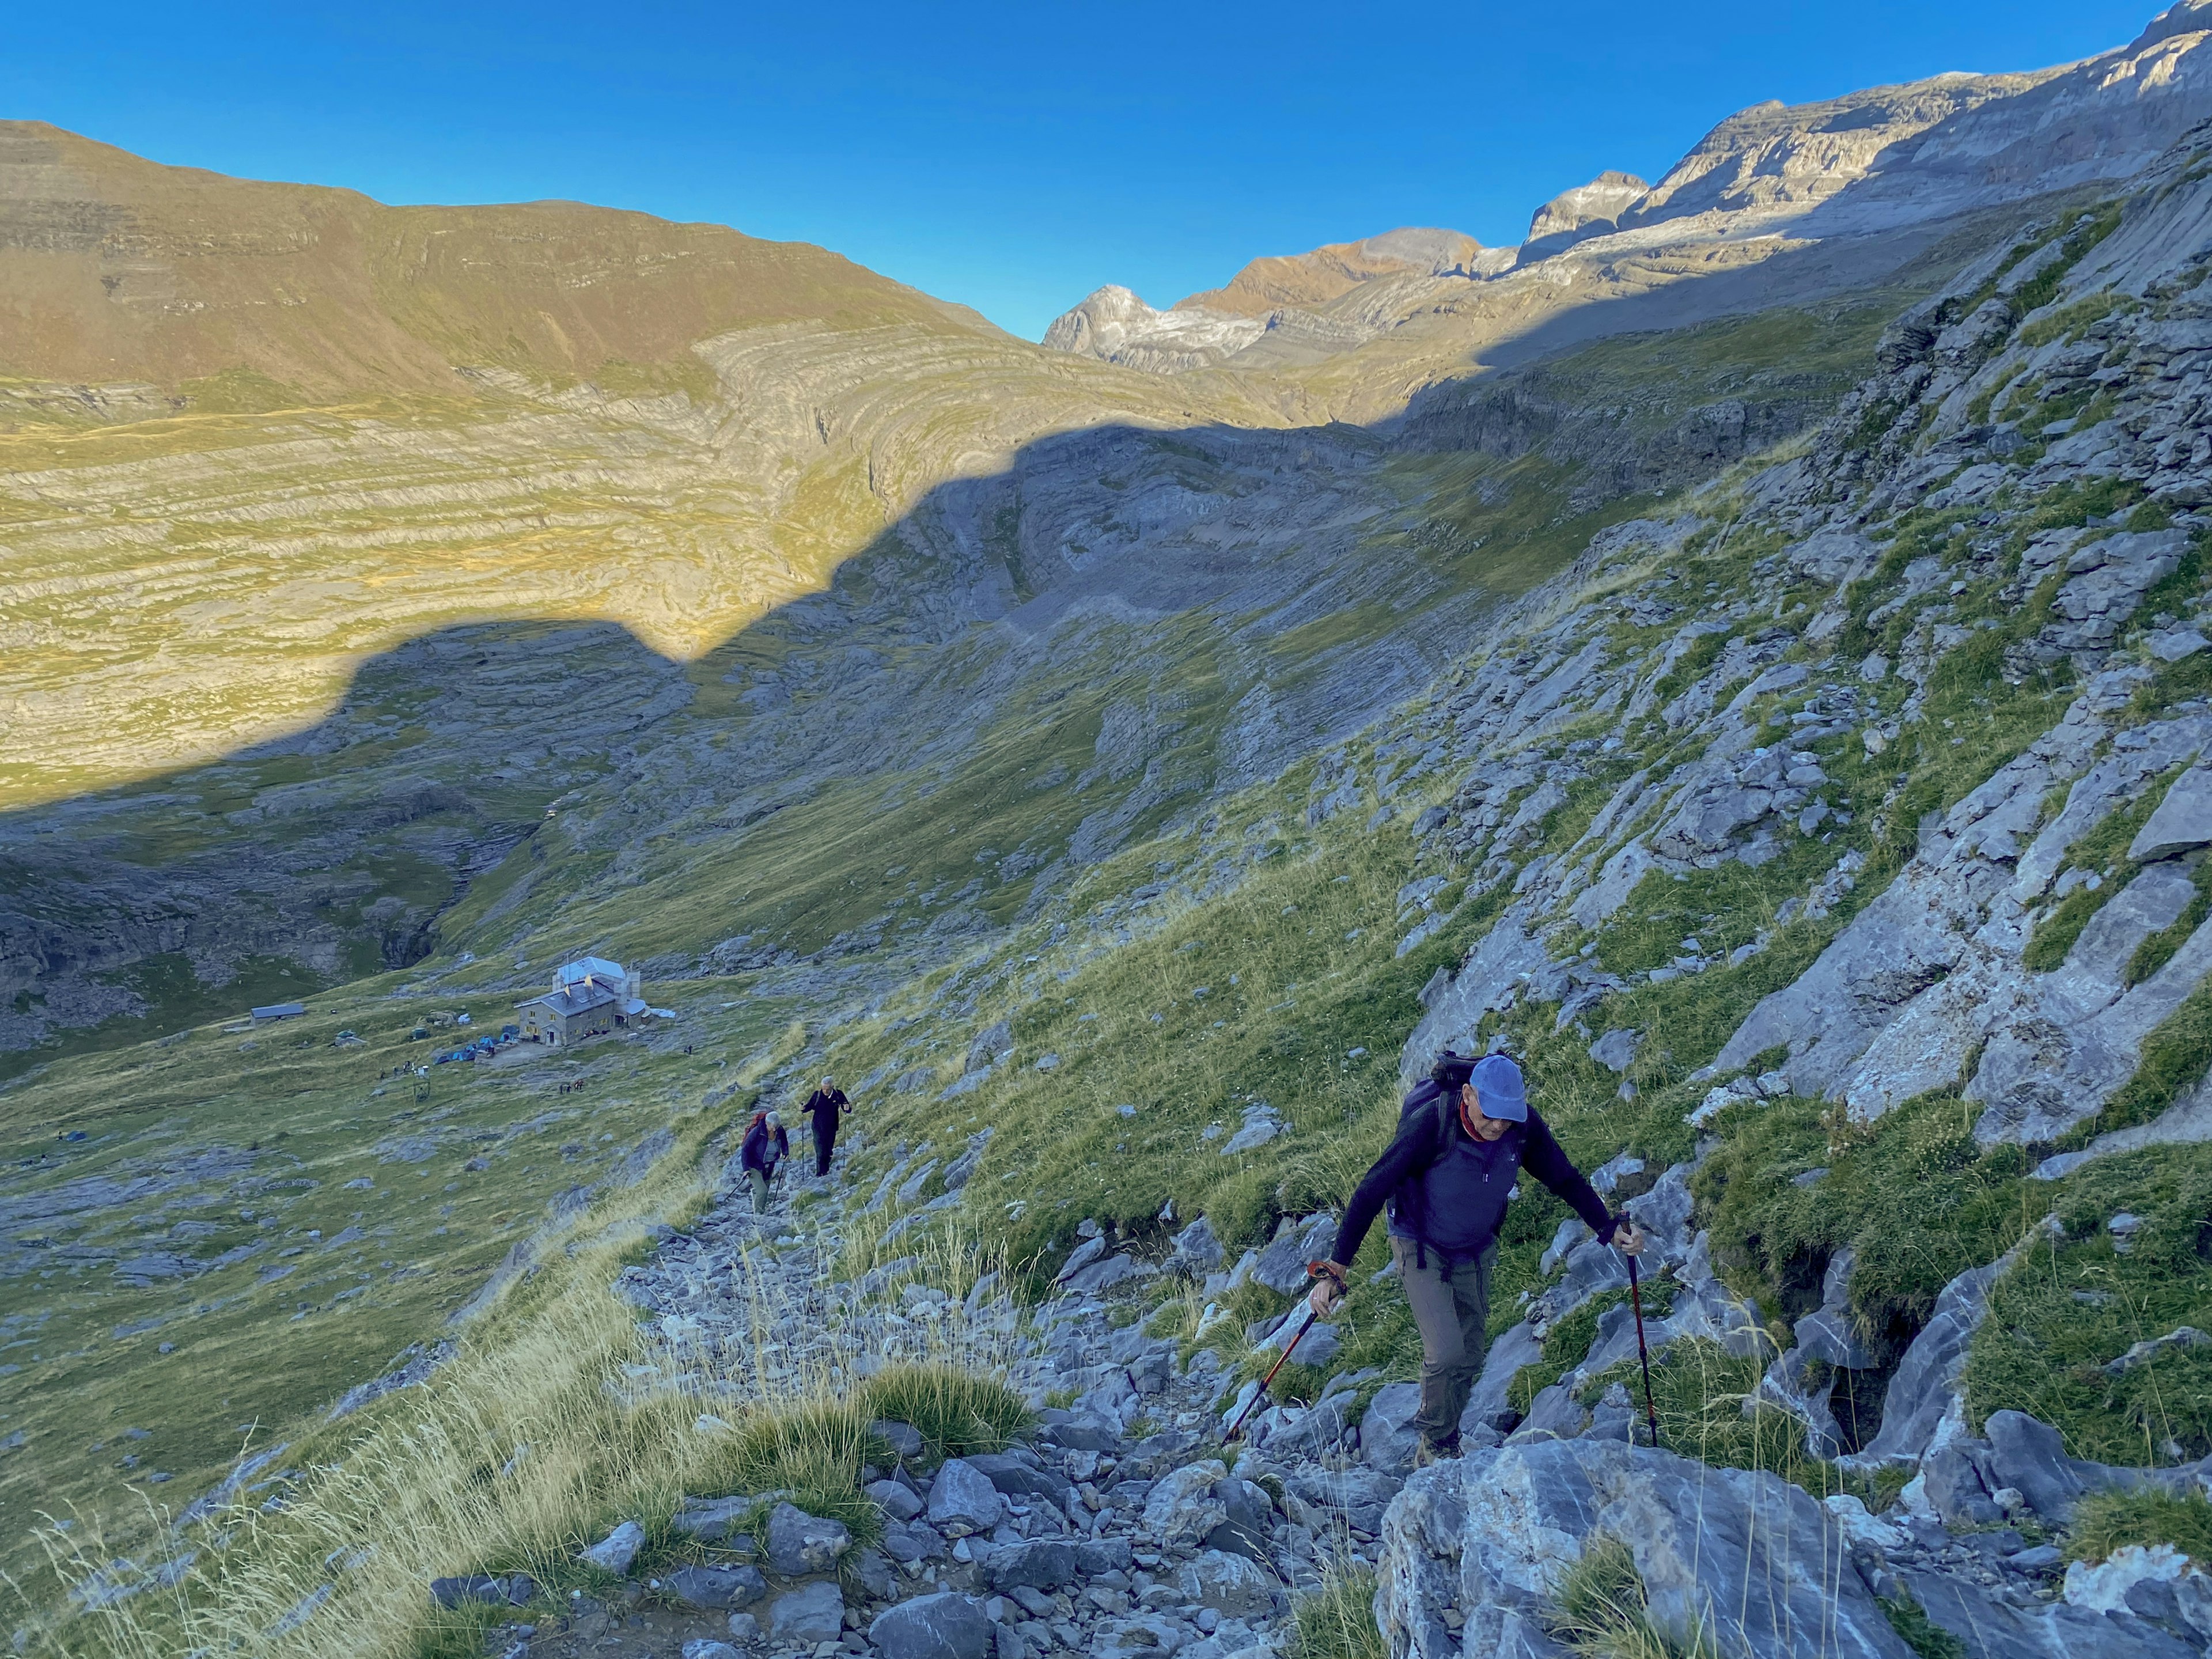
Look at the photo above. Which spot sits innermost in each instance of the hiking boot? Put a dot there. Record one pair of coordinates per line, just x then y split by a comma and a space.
1435, 1451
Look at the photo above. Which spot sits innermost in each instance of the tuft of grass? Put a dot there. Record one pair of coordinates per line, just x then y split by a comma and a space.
811, 1453
957, 1411
1919, 1632
1337, 1621
2116, 1517
1601, 1610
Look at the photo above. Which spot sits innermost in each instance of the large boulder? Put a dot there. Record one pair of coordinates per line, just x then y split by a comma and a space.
1181, 1509
717, 1587
1387, 1436
1043, 1564
1017, 1475
1754, 1562
1282, 1265
1358, 1495
813, 1613
963, 1500
1233, 1586
799, 1543
941, 1626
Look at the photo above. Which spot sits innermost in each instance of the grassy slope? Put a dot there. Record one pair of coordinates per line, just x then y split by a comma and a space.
805, 875
294, 1121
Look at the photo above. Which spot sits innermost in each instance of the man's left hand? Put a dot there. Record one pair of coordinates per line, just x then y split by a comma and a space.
1628, 1238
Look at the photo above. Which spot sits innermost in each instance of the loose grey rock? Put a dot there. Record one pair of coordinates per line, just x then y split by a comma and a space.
708, 1648
2185, 1336
1616, 1050
799, 1543
813, 1613
713, 1520
873, 1570
894, 1498
1040, 1564
1233, 1585
913, 1541
474, 1588
945, 1626
1246, 1520
901, 1438
1360, 1495
717, 1587
1282, 1265
1181, 1509
1387, 1436
963, 1500
614, 1553
1197, 1252
1015, 1477
2029, 1456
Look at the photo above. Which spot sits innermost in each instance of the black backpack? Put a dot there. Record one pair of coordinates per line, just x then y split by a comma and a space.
1439, 1093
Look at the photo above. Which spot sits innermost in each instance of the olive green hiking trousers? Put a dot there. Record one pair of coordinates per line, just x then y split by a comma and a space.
1451, 1309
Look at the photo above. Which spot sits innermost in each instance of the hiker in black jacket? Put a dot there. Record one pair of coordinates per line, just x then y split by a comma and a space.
825, 1104
1464, 1138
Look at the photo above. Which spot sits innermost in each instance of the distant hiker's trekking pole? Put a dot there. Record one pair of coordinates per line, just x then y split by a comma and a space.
1236, 1428
1635, 1298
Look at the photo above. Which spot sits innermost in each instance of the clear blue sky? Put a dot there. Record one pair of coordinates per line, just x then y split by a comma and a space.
1010, 156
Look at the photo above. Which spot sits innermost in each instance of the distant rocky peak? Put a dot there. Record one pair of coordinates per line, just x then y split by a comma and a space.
1116, 326
2189, 17
1589, 209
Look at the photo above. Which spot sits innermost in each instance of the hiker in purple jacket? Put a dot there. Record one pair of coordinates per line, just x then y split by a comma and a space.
1464, 1137
766, 1144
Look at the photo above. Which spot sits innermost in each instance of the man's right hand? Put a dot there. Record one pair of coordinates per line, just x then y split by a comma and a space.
1327, 1290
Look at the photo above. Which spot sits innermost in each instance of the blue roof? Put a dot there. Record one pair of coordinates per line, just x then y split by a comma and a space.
279, 1009
587, 969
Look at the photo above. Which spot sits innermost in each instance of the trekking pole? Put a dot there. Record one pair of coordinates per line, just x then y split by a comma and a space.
1642, 1353
1236, 1427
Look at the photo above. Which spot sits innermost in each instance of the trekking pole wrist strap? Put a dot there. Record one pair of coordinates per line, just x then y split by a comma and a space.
1325, 1270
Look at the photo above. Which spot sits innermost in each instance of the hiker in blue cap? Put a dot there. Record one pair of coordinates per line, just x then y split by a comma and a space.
1465, 1136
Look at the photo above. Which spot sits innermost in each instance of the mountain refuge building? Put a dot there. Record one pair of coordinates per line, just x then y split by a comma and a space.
591, 996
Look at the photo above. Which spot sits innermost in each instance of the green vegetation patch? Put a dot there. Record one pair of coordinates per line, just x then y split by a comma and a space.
1911, 1192
958, 1412
2111, 1520
2076, 1306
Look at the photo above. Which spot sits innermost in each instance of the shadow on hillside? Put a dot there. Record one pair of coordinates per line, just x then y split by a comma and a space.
1108, 561
1864, 264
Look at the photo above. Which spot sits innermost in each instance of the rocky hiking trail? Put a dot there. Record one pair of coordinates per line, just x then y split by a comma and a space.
1118, 1525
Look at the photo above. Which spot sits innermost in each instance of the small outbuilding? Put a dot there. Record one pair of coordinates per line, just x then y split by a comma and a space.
273, 1010
591, 996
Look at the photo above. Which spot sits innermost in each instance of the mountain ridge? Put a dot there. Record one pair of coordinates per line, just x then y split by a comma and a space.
1859, 166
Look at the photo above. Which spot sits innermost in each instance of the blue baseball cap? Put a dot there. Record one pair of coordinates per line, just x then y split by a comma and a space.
1501, 1092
